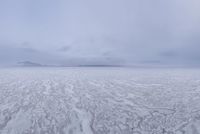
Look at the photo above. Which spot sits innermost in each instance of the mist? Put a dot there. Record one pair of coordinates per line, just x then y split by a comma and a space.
106, 32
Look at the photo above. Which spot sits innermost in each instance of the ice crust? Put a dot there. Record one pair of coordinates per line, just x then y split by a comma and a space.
99, 101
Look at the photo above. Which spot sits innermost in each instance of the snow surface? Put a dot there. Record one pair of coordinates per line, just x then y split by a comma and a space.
99, 101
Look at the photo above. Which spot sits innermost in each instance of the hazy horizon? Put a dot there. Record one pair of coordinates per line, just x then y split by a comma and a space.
106, 32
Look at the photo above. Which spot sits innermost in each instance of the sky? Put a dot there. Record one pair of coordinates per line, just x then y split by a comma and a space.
110, 32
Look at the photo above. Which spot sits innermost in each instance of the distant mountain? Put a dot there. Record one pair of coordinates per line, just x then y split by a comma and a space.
30, 64
100, 65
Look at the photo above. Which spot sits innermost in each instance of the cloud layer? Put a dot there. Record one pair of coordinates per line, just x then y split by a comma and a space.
108, 31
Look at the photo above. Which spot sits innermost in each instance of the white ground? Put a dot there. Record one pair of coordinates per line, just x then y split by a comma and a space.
99, 101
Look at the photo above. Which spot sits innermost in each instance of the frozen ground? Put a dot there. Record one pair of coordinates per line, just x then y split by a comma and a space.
99, 101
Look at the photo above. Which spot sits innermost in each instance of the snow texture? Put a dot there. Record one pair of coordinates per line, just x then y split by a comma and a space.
99, 101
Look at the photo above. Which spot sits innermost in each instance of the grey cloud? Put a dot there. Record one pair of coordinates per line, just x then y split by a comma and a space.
139, 31
64, 49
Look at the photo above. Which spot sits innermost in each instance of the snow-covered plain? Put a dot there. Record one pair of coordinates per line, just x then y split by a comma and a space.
99, 101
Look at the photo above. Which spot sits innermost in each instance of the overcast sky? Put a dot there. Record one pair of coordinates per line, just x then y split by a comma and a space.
100, 31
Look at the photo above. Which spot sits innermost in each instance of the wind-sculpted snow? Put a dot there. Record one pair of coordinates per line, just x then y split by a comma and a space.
99, 101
